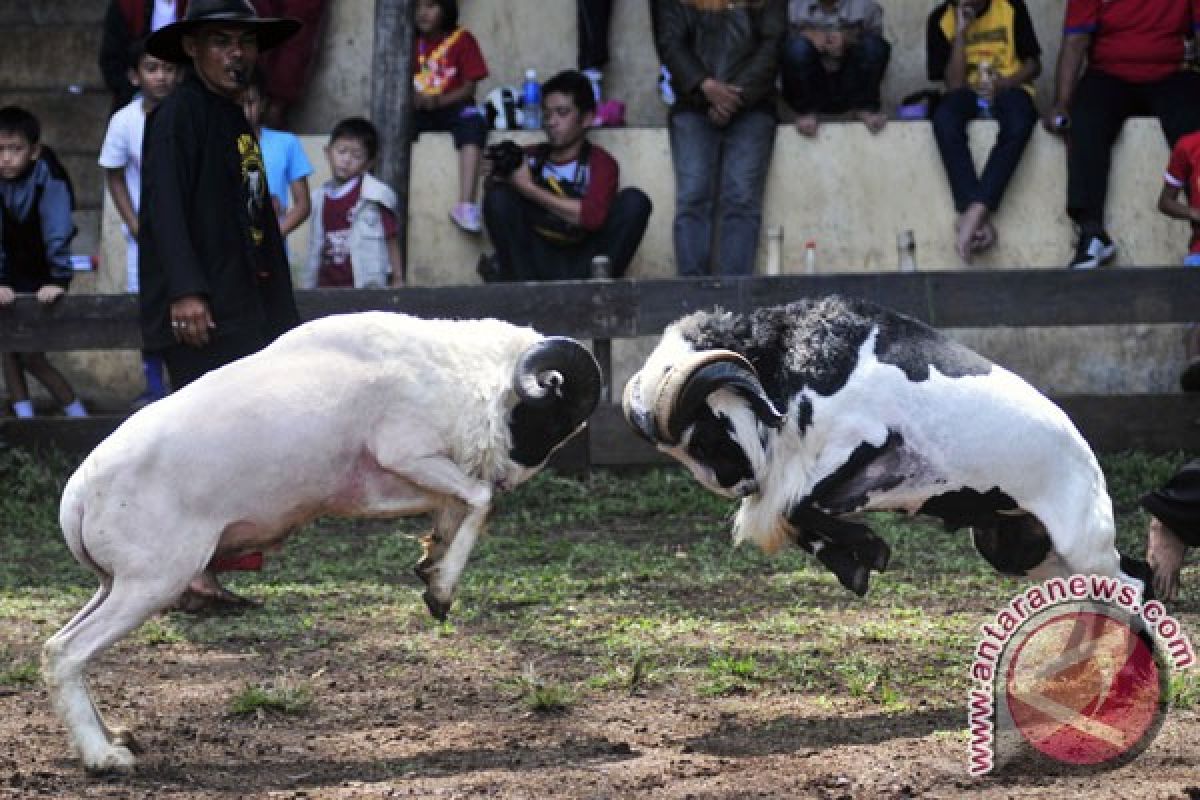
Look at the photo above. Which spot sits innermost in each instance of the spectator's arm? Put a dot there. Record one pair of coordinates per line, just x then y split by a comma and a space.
395, 261
1072, 58
462, 94
566, 208
58, 229
114, 53
115, 178
1027, 73
299, 209
873, 20
757, 78
937, 49
674, 46
1169, 204
171, 153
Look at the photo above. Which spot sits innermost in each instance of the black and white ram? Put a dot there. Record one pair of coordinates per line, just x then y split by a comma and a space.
815, 410
370, 414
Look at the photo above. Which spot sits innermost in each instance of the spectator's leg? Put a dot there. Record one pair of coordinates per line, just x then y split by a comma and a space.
1098, 110
862, 76
623, 230
805, 84
1017, 116
950, 119
289, 66
518, 249
746, 159
695, 153
40, 367
1176, 103
593, 19
470, 135
18, 387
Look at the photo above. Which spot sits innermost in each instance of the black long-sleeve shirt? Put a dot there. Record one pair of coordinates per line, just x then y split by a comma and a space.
206, 224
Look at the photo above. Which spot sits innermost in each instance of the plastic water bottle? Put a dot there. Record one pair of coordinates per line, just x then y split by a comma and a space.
531, 102
810, 257
906, 251
987, 78
774, 264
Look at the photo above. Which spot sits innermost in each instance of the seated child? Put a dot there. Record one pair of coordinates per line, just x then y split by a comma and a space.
35, 232
1183, 175
121, 158
447, 65
352, 238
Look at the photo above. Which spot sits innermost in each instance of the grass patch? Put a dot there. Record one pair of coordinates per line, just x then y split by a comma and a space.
285, 696
623, 582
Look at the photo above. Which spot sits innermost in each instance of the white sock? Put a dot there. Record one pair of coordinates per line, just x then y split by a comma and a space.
597, 78
23, 409
76, 409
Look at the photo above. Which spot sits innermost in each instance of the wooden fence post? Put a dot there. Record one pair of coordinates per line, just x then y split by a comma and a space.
391, 99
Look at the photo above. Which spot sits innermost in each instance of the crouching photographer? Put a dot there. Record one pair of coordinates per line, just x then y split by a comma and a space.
550, 209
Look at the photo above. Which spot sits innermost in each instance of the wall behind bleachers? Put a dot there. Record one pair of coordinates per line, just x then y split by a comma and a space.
517, 34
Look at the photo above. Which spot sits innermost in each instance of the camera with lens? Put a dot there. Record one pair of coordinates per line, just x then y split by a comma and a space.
506, 157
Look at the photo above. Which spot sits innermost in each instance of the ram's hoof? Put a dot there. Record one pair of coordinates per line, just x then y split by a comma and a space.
881, 556
436, 607
857, 579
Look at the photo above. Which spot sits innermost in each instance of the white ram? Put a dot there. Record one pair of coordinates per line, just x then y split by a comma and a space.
370, 414
813, 411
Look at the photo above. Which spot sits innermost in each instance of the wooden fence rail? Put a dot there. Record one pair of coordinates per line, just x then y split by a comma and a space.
604, 311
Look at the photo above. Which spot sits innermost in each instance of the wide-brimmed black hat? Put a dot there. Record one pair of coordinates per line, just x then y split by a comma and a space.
167, 42
1177, 504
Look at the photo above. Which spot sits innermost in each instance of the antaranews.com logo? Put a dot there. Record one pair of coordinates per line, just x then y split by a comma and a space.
1072, 675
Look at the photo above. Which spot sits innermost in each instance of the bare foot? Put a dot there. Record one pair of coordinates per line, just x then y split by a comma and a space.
874, 120
984, 237
1164, 552
205, 593
807, 124
968, 226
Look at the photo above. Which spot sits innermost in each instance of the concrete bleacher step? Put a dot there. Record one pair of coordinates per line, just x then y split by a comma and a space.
88, 179
50, 57
71, 122
52, 12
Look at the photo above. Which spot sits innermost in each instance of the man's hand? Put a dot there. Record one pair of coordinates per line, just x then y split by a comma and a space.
719, 119
1057, 120
966, 16
724, 97
521, 177
191, 320
7, 296
49, 293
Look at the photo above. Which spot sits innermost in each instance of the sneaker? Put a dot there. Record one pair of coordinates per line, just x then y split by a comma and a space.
1093, 250
466, 216
489, 269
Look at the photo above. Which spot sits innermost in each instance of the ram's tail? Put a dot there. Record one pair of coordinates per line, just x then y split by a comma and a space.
71, 514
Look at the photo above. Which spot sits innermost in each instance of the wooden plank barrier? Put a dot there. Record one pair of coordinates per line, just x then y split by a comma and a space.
604, 311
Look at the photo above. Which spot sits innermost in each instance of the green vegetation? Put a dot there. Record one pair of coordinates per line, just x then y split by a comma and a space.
621, 583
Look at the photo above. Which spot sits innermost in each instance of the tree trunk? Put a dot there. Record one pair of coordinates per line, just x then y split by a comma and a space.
391, 101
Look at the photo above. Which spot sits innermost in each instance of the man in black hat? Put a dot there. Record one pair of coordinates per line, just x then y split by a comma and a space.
215, 283
1174, 527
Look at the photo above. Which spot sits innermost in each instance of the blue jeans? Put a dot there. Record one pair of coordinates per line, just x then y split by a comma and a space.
1014, 110
1192, 260
807, 87
720, 173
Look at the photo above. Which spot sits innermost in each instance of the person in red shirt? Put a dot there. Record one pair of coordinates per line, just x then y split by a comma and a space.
447, 65
560, 207
1183, 175
1119, 58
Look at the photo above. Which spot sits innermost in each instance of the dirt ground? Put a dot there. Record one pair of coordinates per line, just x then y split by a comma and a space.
389, 725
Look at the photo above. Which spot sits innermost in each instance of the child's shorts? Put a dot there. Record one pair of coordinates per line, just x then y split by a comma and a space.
464, 121
1192, 260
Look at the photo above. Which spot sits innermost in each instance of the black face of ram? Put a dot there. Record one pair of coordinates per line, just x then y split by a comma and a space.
537, 431
712, 443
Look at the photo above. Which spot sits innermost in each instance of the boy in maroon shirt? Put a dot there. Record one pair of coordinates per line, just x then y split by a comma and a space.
560, 208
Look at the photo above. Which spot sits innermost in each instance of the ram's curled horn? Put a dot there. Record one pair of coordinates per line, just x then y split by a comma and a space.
559, 369
688, 385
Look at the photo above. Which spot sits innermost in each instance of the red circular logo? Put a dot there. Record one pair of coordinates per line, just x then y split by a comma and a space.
1083, 687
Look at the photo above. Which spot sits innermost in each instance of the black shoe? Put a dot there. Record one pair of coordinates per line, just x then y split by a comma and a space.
1189, 380
489, 269
1094, 249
